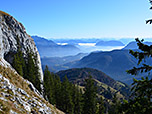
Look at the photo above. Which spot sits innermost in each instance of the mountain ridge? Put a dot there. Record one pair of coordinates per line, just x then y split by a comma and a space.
78, 76
110, 43
18, 95
12, 34
113, 63
49, 48
133, 45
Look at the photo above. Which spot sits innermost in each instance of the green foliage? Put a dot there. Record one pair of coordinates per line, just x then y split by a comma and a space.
26, 66
146, 51
69, 97
150, 20
33, 74
115, 106
107, 94
90, 97
64, 95
57, 93
49, 85
18, 62
77, 100
102, 81
138, 105
140, 101
100, 107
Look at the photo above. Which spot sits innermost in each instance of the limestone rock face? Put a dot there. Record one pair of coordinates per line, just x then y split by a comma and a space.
19, 96
13, 33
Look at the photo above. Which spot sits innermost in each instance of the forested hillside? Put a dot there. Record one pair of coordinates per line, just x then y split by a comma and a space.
113, 63
81, 94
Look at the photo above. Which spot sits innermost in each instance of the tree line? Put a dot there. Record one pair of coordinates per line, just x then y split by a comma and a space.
70, 98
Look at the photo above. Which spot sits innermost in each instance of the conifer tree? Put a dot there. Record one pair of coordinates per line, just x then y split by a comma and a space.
18, 63
57, 92
115, 106
66, 91
28, 69
140, 102
77, 100
90, 97
32, 71
101, 107
49, 85
37, 73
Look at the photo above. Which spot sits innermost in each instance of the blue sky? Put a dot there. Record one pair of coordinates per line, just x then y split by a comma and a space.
82, 18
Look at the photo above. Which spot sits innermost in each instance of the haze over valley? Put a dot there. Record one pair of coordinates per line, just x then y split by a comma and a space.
75, 57
110, 56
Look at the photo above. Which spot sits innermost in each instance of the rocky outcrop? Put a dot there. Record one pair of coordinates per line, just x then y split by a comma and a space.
13, 33
18, 95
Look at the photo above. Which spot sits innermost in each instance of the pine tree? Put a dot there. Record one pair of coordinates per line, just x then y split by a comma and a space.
27, 66
140, 102
90, 97
101, 107
57, 92
37, 74
115, 106
46, 82
18, 62
32, 71
66, 92
77, 100
49, 86
30, 68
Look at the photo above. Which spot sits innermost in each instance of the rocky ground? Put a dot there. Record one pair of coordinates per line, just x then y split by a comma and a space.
19, 96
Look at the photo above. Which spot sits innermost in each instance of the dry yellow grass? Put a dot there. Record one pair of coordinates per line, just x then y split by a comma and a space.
4, 13
19, 82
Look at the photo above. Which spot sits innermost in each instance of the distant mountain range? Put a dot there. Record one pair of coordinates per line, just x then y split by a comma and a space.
114, 63
40, 41
110, 43
103, 81
92, 40
76, 40
97, 41
20, 91
57, 63
133, 45
48, 48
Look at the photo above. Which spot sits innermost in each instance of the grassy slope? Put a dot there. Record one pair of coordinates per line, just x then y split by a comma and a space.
19, 82
102, 81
